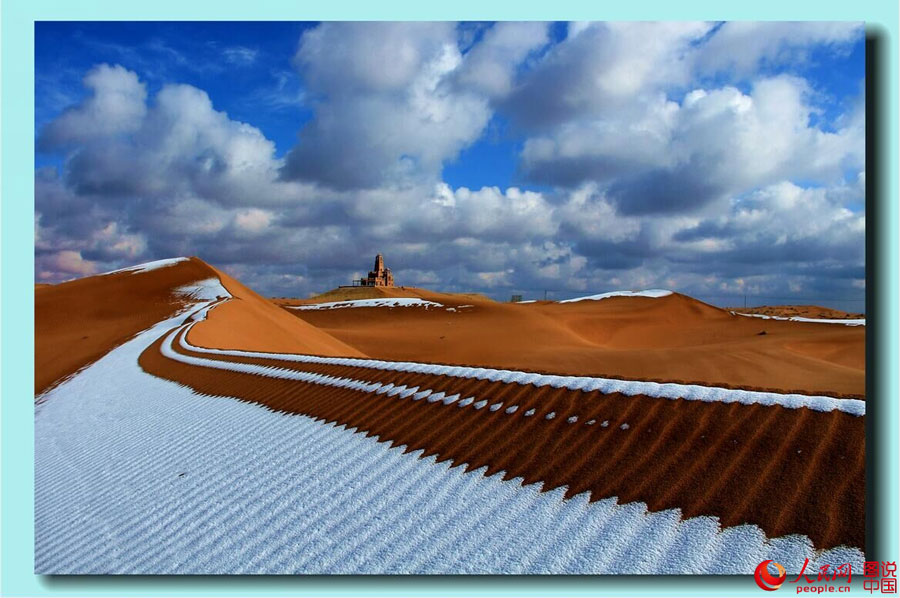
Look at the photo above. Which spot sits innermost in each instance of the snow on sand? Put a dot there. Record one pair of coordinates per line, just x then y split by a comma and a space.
147, 267
385, 302
134, 474
651, 293
671, 391
845, 322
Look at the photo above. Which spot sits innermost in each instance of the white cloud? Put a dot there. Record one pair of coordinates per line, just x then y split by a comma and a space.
63, 264
740, 46
240, 55
178, 145
490, 66
253, 221
715, 143
386, 112
601, 68
654, 173
115, 106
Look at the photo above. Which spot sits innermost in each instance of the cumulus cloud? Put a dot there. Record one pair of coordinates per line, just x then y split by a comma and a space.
386, 111
115, 106
681, 157
179, 145
602, 67
490, 67
65, 262
665, 157
740, 46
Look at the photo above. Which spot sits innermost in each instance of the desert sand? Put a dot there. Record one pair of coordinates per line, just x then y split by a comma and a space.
77, 322
705, 458
785, 467
673, 338
252, 323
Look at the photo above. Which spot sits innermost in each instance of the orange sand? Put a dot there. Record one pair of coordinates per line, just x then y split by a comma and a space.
77, 322
704, 458
252, 323
673, 338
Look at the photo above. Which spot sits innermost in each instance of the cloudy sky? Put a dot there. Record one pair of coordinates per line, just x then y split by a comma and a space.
716, 159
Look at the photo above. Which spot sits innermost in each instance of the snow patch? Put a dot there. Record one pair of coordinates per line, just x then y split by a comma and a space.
845, 322
147, 267
209, 289
651, 293
384, 302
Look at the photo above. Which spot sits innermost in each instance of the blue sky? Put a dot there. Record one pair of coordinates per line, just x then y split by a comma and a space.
715, 159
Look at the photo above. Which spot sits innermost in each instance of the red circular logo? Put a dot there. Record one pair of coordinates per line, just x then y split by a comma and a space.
766, 580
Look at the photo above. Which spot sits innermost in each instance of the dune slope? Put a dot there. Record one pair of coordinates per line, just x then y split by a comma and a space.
131, 477
250, 322
705, 458
77, 322
672, 338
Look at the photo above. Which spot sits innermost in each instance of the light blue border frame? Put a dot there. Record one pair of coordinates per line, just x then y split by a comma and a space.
17, 275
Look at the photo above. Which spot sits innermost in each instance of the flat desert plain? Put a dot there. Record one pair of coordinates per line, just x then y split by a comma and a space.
186, 424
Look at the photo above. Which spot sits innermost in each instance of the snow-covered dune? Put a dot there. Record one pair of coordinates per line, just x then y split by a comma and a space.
134, 474
671, 391
149, 266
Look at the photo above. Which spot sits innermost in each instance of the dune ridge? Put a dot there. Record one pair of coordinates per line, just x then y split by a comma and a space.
77, 322
635, 447
250, 322
328, 500
668, 338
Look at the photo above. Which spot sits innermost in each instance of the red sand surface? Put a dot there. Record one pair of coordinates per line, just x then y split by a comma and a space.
786, 470
77, 322
252, 323
674, 338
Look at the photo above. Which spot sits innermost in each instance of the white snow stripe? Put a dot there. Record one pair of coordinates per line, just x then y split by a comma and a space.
651, 293
148, 266
845, 322
667, 390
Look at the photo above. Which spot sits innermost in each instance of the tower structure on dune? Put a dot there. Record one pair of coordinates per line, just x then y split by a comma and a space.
380, 276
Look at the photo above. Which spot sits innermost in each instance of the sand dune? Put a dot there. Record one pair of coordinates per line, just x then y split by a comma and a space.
77, 322
704, 458
140, 459
670, 338
357, 293
803, 311
760, 465
252, 323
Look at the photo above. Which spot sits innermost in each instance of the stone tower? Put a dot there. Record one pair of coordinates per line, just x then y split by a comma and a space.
380, 276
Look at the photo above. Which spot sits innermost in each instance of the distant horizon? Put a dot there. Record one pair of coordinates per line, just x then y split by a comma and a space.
718, 159
551, 295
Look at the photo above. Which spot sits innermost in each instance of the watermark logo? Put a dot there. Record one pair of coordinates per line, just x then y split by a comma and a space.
766, 580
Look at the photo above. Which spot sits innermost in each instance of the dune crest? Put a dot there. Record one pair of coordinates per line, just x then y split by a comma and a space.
79, 321
661, 337
250, 322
